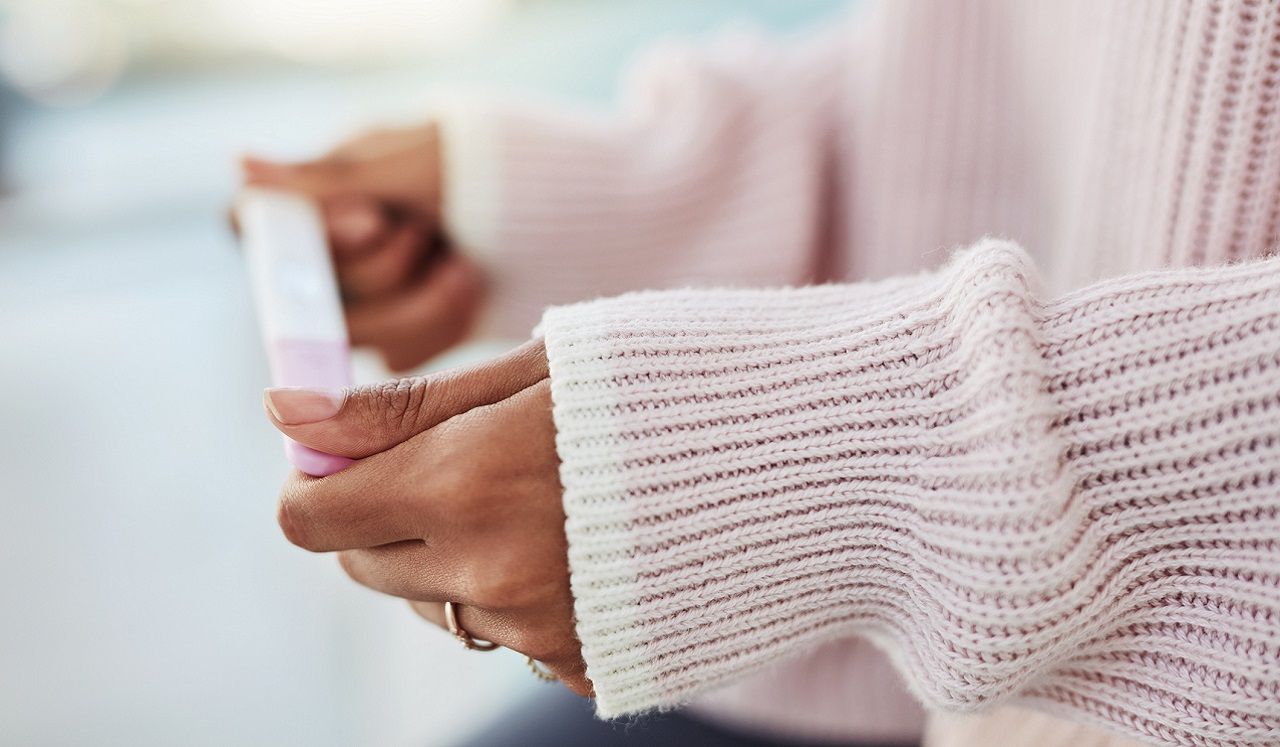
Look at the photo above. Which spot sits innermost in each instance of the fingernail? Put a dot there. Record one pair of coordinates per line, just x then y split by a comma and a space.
298, 405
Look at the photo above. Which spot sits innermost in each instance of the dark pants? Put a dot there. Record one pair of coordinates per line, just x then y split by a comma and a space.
558, 718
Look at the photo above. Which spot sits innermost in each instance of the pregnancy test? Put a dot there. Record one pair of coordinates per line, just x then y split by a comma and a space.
299, 310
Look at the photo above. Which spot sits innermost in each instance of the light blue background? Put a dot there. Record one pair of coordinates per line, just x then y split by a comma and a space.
146, 595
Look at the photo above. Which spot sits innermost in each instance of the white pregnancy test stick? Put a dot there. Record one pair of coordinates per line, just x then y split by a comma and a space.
299, 310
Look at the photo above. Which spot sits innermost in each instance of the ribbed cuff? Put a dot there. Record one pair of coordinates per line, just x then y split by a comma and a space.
601, 540
471, 180
1019, 497
739, 467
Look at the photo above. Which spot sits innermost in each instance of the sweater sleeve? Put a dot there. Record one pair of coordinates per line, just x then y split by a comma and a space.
715, 157
1072, 502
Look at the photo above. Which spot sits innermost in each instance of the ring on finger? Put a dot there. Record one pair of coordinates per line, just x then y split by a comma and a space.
539, 669
469, 643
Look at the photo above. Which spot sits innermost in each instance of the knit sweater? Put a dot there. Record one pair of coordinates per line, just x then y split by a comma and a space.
1047, 475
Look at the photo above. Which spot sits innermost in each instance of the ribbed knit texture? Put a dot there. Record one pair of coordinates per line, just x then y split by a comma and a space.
587, 204
1073, 501
1056, 485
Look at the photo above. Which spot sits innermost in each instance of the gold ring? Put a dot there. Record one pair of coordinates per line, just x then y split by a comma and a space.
537, 669
469, 643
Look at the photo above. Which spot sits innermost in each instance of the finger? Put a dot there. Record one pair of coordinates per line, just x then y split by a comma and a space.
386, 267
260, 172
400, 165
428, 318
373, 502
401, 170
322, 179
411, 570
573, 674
568, 667
479, 623
386, 141
433, 612
360, 421
356, 226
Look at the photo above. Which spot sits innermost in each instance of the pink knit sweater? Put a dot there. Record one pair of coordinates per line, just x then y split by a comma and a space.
1047, 474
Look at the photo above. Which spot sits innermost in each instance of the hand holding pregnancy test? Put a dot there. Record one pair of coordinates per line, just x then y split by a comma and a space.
456, 498
481, 493
299, 309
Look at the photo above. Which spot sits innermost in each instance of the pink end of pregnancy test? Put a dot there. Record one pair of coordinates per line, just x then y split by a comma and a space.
299, 309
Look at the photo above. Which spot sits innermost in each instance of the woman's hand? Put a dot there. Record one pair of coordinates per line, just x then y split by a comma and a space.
405, 293
456, 497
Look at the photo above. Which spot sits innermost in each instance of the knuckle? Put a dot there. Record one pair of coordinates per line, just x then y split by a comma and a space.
487, 590
400, 402
296, 522
290, 522
450, 491
502, 585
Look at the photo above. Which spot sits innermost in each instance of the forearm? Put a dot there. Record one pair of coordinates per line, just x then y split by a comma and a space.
1072, 500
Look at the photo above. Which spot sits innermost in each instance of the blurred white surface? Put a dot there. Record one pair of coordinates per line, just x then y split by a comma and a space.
69, 51
148, 597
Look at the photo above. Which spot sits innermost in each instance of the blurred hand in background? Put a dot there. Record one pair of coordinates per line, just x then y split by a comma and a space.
406, 293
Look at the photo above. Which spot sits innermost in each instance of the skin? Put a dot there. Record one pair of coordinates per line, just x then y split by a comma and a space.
456, 497
407, 294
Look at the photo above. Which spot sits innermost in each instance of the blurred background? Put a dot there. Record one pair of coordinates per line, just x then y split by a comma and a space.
146, 594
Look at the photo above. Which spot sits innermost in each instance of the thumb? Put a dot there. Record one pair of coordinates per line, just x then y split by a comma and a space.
359, 421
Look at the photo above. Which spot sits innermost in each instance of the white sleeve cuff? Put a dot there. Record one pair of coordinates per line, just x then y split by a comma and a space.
471, 180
